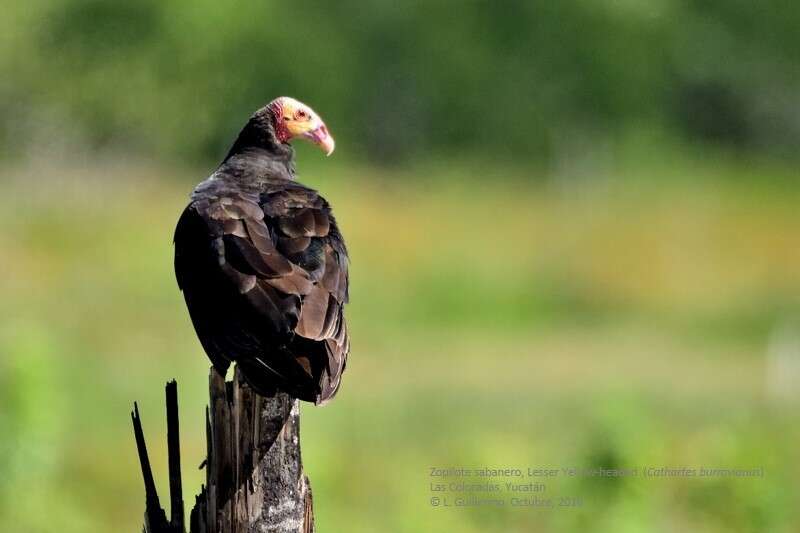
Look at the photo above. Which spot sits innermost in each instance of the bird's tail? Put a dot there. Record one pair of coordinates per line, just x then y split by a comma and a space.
267, 376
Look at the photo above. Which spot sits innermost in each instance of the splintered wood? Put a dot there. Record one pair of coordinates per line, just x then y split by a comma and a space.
254, 472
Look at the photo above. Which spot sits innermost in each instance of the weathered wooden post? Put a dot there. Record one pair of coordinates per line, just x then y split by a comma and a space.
155, 519
254, 470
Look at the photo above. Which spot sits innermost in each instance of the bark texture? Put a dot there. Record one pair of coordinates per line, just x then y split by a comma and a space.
254, 472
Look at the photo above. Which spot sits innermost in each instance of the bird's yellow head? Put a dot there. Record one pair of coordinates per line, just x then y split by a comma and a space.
296, 119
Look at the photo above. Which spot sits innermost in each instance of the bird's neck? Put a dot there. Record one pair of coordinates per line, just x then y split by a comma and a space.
256, 165
257, 156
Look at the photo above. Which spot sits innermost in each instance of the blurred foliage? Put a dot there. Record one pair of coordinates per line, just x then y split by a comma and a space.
649, 318
403, 79
574, 277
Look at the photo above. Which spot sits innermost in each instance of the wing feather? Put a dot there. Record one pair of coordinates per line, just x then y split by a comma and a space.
286, 263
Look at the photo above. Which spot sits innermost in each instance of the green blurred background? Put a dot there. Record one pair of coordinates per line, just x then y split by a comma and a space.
574, 237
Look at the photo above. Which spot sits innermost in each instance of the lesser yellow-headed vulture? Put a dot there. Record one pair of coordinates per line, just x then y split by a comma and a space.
261, 262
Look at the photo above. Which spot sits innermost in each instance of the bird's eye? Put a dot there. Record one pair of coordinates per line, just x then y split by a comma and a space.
285, 118
301, 114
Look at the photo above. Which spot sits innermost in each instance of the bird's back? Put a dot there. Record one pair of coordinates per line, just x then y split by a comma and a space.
264, 271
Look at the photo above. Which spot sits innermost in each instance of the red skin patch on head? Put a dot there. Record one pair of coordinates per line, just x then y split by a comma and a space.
281, 132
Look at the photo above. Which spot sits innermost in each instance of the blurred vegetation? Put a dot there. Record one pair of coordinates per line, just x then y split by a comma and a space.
630, 322
574, 238
525, 80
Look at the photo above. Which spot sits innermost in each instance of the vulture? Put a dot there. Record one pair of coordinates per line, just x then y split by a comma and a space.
262, 264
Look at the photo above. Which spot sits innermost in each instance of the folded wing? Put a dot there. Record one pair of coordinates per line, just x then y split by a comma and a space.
265, 278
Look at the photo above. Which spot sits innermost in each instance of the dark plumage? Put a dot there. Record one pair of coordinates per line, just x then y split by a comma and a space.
263, 267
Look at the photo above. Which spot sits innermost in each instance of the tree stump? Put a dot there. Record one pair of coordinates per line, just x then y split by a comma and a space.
254, 472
